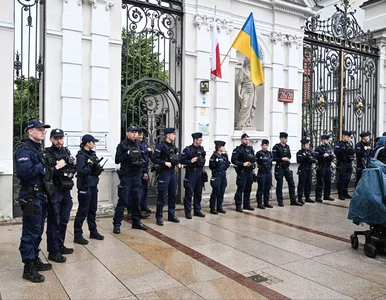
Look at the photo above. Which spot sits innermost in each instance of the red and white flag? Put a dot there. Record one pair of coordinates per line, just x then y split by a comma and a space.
216, 62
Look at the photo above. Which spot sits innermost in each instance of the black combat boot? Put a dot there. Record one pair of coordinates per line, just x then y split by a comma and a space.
31, 273
300, 200
308, 199
341, 196
260, 204
40, 266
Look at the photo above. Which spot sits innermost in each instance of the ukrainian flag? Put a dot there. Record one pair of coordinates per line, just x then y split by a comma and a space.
246, 42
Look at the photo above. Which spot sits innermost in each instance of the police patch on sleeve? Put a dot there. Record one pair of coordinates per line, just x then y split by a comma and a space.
21, 159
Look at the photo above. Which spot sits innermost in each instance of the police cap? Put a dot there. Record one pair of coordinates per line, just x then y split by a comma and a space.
219, 143
56, 132
325, 137
244, 136
265, 142
132, 128
346, 132
169, 130
364, 133
304, 141
88, 138
283, 134
36, 123
140, 130
197, 135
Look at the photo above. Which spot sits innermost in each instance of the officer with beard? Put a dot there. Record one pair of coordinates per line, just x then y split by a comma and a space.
32, 198
193, 158
63, 184
167, 159
344, 152
363, 152
243, 157
130, 156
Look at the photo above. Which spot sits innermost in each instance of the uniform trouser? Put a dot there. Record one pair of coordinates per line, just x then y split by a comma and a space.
129, 190
167, 186
305, 182
323, 179
57, 225
218, 184
193, 189
244, 181
358, 175
32, 230
344, 171
88, 203
144, 191
279, 174
264, 183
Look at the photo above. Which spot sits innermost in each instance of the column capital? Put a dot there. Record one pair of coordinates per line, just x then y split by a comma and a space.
278, 37
106, 3
79, 2
222, 24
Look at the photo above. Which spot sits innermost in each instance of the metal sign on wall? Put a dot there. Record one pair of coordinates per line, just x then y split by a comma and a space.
286, 95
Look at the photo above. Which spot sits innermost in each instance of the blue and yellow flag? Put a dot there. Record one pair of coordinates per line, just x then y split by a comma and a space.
246, 42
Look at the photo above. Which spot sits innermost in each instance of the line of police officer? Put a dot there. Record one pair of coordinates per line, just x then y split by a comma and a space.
46, 179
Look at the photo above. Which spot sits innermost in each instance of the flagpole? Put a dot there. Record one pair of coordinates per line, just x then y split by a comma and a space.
226, 55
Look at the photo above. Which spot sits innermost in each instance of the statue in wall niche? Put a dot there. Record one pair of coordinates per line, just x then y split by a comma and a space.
246, 96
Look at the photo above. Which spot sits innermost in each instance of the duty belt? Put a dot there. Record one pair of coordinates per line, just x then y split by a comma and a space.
32, 188
194, 169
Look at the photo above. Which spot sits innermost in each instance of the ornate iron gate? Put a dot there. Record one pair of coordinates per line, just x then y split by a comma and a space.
152, 70
340, 77
28, 72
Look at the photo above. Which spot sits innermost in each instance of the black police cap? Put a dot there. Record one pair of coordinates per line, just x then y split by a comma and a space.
219, 143
265, 142
283, 134
197, 135
346, 132
88, 138
304, 141
325, 137
56, 132
36, 123
364, 133
244, 136
169, 130
132, 128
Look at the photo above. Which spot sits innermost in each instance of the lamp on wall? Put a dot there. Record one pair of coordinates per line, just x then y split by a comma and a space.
204, 86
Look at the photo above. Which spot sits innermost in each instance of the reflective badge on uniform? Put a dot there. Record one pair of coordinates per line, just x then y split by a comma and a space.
89, 161
23, 159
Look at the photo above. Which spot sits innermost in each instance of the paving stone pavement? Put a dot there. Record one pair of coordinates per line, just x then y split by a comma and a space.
279, 253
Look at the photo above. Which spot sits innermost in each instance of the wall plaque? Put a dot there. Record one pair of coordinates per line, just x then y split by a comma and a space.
286, 95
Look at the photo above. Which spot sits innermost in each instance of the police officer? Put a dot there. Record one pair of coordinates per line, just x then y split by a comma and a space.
344, 152
324, 156
88, 169
305, 159
363, 152
193, 158
219, 164
264, 175
63, 184
130, 156
167, 158
30, 170
146, 153
281, 154
243, 157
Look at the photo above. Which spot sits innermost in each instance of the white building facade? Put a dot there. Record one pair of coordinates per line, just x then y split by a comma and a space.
83, 76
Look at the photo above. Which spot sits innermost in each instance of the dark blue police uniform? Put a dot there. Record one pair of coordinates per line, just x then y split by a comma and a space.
218, 163
264, 176
244, 180
193, 182
345, 155
323, 170
63, 184
362, 155
305, 159
146, 154
129, 155
167, 179
88, 170
282, 169
32, 198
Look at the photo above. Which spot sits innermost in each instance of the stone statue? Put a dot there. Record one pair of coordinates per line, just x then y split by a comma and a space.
246, 96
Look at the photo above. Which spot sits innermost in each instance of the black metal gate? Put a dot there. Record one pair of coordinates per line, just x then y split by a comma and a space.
28, 72
340, 77
152, 70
